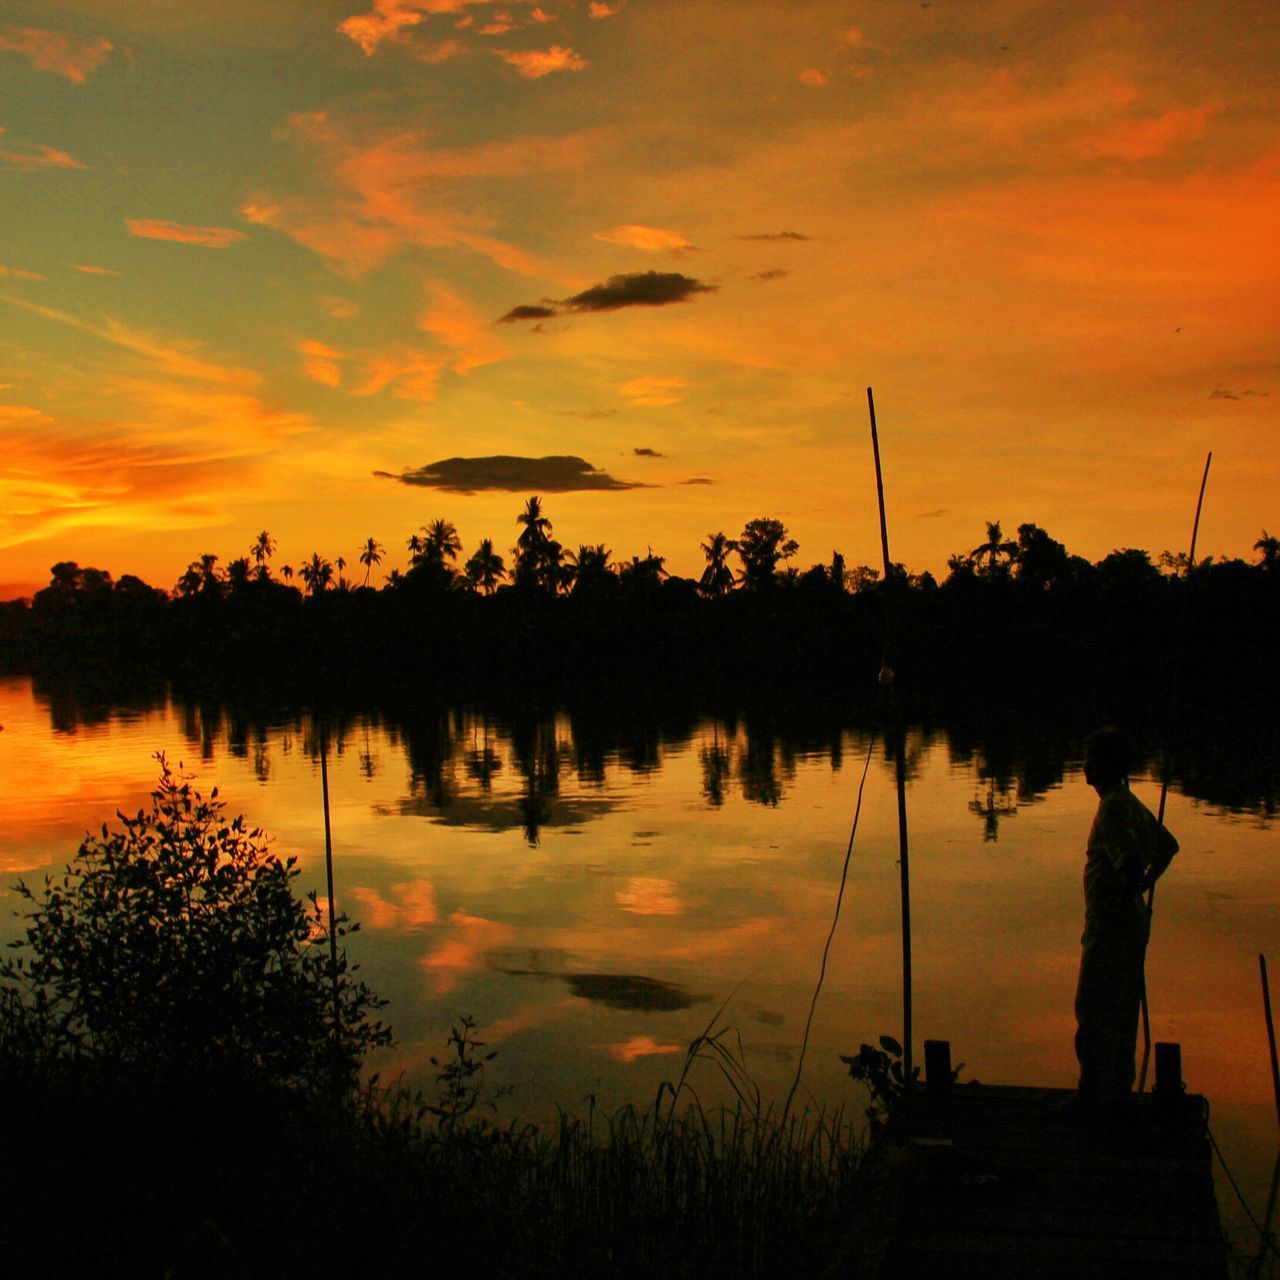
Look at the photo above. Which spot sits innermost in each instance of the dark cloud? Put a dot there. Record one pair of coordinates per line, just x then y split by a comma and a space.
527, 313
698, 480
648, 453
776, 274
775, 235
637, 289
593, 414
1221, 393
932, 515
556, 474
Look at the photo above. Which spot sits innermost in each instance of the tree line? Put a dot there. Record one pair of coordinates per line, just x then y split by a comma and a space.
1011, 610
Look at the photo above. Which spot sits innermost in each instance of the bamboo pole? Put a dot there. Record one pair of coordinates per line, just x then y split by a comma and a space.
1271, 1033
899, 757
1166, 765
328, 869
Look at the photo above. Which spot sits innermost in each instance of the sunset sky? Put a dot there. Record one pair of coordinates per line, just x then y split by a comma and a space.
264, 263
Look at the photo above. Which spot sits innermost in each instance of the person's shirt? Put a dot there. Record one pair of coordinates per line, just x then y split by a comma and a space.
1126, 845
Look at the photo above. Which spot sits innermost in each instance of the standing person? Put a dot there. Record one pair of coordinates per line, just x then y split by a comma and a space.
1128, 851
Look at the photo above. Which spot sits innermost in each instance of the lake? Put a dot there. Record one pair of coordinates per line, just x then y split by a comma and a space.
593, 889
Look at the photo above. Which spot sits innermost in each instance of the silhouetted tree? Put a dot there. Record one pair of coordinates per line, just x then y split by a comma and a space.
588, 567
994, 550
761, 544
1269, 547
370, 554
317, 574
238, 575
1039, 561
486, 568
717, 577
644, 572
263, 545
287, 572
837, 570
532, 547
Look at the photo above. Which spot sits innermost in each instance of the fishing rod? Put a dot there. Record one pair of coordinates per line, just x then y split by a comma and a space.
1166, 765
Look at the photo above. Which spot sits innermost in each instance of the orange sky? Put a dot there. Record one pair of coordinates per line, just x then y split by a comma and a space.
251, 258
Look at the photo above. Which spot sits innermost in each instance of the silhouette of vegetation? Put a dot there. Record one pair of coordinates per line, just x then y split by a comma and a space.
174, 946
1012, 616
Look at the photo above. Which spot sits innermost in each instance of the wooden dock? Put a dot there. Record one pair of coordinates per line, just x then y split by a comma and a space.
991, 1182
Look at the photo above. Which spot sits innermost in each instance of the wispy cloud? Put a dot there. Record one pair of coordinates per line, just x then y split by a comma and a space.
392, 190
775, 273
774, 235
653, 391
641, 452
384, 21
533, 64
207, 237
18, 273
93, 271
321, 362
459, 325
506, 474
649, 239
55, 51
34, 155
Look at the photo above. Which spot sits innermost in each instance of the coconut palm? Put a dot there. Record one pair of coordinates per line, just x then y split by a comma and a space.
317, 574
342, 564
1270, 548
286, 572
263, 545
440, 542
588, 566
532, 544
717, 577
995, 547
370, 554
486, 569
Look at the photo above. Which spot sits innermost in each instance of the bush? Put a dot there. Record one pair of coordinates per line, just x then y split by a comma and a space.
175, 947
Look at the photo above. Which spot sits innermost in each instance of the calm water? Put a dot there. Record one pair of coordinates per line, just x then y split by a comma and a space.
592, 896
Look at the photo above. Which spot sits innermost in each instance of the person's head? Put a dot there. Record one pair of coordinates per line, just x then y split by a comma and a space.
1109, 758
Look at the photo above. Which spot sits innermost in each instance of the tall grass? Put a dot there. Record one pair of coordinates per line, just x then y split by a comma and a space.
400, 1184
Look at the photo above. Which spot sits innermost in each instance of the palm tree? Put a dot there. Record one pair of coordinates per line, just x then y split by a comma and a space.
286, 572
717, 577
342, 564
1270, 548
188, 584
209, 581
532, 544
486, 568
441, 542
317, 574
238, 575
415, 545
995, 546
370, 554
263, 545
588, 566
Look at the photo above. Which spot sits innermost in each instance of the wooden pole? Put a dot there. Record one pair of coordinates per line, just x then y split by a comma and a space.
328, 868
1166, 765
1271, 1033
899, 757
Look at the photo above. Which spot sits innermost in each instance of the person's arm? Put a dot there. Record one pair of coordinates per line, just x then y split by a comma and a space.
1162, 848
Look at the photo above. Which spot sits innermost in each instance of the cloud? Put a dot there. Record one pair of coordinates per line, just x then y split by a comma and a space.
536, 63
457, 324
385, 22
650, 239
647, 453
208, 237
1146, 138
697, 480
649, 896
56, 52
1221, 393
340, 308
389, 190
775, 274
638, 289
33, 155
321, 363
93, 271
775, 235
812, 78
653, 391
933, 515
19, 274
637, 1046
411, 374
505, 474
528, 313
598, 10
593, 414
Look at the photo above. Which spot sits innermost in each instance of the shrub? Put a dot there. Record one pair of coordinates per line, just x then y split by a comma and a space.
174, 947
